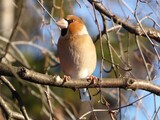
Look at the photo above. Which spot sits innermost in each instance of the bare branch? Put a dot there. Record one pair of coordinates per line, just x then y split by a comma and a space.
8, 112
35, 77
13, 31
16, 95
152, 33
47, 93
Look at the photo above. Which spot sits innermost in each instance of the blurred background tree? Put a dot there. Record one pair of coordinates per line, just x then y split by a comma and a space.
126, 35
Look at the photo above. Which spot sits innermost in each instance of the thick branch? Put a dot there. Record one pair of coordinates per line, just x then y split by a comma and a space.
152, 33
35, 77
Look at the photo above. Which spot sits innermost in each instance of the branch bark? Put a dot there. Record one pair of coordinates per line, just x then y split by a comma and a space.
35, 77
152, 33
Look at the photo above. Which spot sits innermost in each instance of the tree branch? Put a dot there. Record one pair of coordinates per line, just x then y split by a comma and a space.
152, 33
35, 77
16, 95
8, 112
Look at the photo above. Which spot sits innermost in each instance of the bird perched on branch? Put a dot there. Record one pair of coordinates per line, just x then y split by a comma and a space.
76, 51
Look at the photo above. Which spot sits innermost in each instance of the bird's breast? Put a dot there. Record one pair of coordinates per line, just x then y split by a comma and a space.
77, 56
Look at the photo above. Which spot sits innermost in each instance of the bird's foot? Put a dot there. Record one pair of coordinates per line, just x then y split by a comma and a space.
66, 78
92, 78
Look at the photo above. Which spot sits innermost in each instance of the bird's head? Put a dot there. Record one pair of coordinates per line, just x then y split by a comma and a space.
72, 25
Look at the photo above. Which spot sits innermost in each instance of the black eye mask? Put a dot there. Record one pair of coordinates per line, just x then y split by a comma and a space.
64, 30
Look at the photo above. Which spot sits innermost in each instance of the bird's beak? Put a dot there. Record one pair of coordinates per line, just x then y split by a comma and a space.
62, 23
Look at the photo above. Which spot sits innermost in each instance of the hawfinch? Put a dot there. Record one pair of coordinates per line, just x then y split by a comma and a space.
76, 51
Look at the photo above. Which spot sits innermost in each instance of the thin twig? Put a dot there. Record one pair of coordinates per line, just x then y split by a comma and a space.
47, 12
145, 33
8, 112
153, 34
95, 110
47, 93
144, 61
62, 103
13, 31
16, 95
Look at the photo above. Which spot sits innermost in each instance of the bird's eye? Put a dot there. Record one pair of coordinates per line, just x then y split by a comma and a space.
70, 21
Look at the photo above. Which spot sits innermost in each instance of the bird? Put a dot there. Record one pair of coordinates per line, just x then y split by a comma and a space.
76, 51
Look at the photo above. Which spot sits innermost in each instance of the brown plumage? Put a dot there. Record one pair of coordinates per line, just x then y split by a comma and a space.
76, 49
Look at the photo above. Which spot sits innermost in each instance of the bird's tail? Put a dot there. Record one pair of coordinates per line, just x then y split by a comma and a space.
84, 94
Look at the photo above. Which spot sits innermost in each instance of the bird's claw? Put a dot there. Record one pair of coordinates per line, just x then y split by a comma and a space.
66, 78
92, 78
